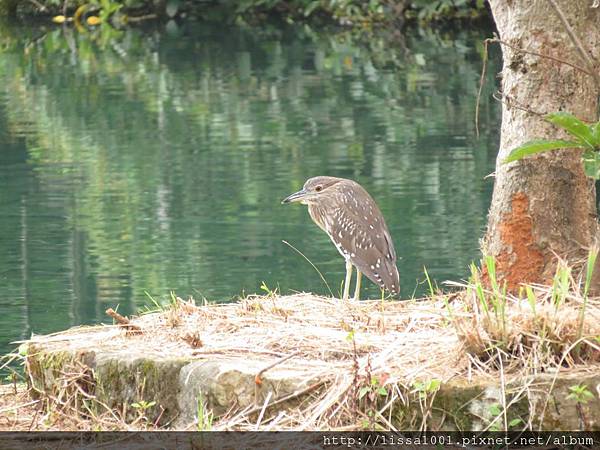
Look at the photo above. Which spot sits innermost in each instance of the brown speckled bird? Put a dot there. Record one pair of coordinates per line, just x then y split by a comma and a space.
350, 217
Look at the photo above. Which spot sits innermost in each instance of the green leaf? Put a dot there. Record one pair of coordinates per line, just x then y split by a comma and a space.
596, 131
575, 127
591, 164
538, 146
433, 385
309, 9
382, 391
495, 410
515, 422
363, 391
350, 336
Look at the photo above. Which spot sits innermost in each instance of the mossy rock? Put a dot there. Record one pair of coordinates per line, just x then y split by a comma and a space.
544, 401
124, 380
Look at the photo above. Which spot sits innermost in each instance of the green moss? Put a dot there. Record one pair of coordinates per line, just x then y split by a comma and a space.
45, 367
460, 405
121, 381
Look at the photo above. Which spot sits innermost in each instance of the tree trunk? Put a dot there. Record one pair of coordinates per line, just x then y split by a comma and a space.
543, 205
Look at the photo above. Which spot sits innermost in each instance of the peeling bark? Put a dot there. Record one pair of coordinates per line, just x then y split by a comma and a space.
544, 205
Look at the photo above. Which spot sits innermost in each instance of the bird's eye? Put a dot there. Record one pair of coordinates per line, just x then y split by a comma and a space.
319, 188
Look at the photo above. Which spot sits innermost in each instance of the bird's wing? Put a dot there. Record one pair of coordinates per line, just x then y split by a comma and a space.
359, 231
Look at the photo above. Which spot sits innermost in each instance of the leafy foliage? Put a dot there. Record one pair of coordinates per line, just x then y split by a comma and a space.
580, 394
347, 12
585, 137
430, 10
367, 11
427, 388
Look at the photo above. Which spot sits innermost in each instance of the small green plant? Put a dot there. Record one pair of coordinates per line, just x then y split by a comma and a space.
531, 299
23, 349
580, 394
426, 388
426, 391
368, 390
350, 335
561, 284
498, 297
491, 334
160, 306
515, 422
204, 415
494, 305
143, 405
583, 136
270, 292
373, 389
591, 263
495, 411
156, 306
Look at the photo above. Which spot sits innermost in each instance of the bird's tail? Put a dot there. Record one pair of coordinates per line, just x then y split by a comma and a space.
391, 280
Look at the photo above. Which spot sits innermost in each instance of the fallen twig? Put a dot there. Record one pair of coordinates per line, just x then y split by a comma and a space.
122, 320
257, 378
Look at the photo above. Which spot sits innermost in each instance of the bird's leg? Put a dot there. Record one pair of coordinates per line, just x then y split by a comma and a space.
357, 288
348, 279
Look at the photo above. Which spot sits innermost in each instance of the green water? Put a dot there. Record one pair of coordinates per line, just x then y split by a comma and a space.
155, 160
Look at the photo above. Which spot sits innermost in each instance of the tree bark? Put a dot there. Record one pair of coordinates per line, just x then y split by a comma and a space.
542, 206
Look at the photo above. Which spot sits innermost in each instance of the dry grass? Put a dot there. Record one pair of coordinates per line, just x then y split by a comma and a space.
354, 349
17, 409
344, 345
541, 328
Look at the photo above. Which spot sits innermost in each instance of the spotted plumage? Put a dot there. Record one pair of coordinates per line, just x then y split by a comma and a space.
353, 221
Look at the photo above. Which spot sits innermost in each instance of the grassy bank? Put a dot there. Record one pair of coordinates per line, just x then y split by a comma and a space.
478, 358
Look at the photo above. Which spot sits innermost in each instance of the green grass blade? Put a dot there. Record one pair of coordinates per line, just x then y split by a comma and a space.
591, 263
428, 278
477, 284
531, 298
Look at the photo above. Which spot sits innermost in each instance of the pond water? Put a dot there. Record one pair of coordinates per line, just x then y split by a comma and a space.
135, 163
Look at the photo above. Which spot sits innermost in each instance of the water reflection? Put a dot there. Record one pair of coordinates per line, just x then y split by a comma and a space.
147, 162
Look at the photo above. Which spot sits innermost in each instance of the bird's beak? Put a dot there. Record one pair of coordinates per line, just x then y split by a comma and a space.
295, 197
